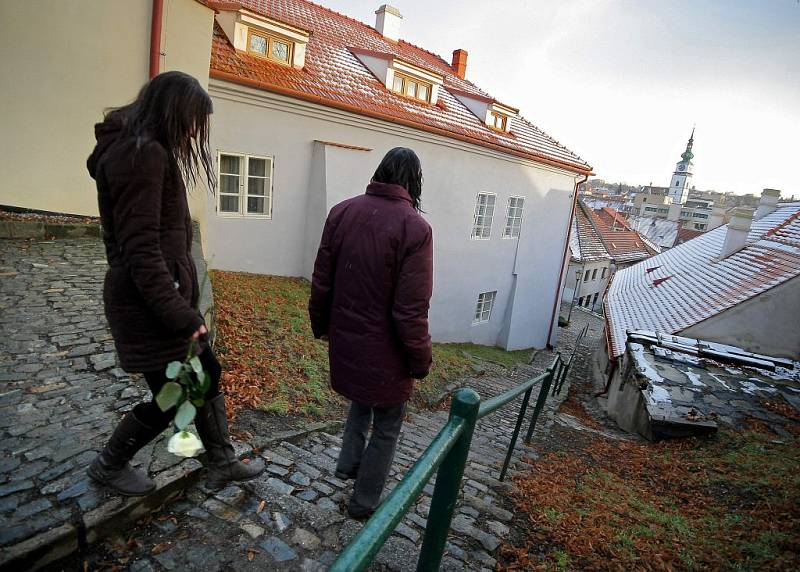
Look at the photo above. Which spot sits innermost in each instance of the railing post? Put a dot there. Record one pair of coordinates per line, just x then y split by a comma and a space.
522, 410
564, 374
448, 483
543, 393
557, 374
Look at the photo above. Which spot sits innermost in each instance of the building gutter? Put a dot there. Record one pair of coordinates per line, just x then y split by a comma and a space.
609, 345
233, 78
155, 37
564, 257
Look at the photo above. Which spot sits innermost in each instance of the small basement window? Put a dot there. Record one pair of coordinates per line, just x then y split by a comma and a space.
482, 219
483, 310
245, 185
410, 87
270, 47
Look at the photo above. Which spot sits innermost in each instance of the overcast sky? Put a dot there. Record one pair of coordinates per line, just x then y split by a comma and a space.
622, 82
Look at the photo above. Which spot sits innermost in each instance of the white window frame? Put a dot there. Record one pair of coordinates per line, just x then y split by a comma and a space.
485, 306
244, 179
513, 223
475, 215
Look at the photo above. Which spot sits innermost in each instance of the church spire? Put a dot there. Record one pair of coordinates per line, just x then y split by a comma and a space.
688, 155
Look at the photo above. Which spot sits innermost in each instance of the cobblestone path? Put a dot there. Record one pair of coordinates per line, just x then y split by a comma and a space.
61, 394
293, 517
60, 390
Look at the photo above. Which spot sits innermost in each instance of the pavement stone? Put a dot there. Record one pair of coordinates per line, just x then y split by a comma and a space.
61, 393
278, 549
290, 518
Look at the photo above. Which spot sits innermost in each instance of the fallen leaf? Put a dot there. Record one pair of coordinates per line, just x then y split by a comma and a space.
261, 506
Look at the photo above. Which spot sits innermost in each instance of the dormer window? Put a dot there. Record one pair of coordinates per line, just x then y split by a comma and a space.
263, 37
401, 77
492, 113
410, 87
270, 47
499, 121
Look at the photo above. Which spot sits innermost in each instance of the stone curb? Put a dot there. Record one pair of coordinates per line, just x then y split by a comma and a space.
20, 229
60, 542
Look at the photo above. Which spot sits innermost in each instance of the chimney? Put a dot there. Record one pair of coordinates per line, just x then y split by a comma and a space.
768, 203
460, 63
737, 231
387, 22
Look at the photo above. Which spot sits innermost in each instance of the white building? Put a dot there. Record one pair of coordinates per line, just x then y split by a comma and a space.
590, 263
682, 177
306, 103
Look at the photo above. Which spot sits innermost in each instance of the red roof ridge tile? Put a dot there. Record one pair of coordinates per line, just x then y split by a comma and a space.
775, 229
479, 96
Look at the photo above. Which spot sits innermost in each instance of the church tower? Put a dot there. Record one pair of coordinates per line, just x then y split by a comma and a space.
679, 187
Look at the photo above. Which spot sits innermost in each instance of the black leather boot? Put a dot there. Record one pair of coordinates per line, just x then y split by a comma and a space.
223, 464
111, 466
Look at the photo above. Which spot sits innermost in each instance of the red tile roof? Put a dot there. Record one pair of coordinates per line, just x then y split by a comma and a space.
685, 234
623, 244
584, 241
333, 76
701, 286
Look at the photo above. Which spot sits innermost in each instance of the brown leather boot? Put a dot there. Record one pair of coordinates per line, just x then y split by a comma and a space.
223, 464
111, 466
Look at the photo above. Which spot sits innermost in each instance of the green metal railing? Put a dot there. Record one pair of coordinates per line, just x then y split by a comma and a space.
448, 453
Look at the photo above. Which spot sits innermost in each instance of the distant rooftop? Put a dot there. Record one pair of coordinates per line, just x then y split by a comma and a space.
688, 283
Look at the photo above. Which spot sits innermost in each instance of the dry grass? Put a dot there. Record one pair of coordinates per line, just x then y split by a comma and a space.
272, 361
727, 503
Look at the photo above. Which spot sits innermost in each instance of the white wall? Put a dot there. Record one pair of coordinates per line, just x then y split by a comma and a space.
87, 56
254, 122
765, 324
590, 287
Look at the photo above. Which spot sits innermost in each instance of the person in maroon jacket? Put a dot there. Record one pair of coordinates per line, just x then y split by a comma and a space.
370, 294
144, 150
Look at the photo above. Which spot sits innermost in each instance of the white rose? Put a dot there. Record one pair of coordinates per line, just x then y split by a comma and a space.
184, 444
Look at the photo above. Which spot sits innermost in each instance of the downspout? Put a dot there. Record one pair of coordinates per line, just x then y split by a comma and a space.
155, 37
564, 258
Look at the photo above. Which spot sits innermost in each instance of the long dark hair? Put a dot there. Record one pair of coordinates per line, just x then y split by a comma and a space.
401, 166
173, 109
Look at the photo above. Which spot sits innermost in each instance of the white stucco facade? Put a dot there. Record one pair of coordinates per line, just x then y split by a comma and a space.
310, 177
93, 55
594, 278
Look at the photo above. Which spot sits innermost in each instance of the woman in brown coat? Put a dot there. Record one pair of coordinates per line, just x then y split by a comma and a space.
370, 294
144, 150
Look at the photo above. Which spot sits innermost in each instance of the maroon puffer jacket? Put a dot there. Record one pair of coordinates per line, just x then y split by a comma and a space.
151, 288
370, 295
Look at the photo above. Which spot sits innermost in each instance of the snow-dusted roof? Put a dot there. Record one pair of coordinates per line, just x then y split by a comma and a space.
332, 75
688, 284
660, 231
584, 241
